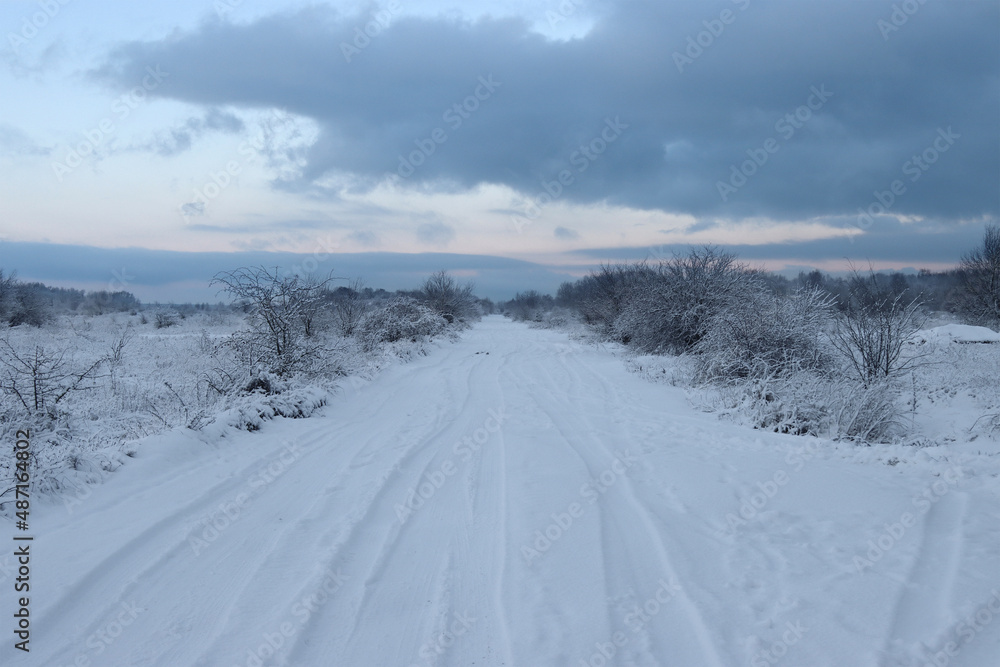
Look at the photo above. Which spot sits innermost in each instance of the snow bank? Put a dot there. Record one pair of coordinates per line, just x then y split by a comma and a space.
956, 333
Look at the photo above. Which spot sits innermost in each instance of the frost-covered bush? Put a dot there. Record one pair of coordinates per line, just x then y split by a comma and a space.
669, 309
557, 318
809, 403
284, 318
601, 297
766, 335
978, 298
528, 306
402, 318
455, 303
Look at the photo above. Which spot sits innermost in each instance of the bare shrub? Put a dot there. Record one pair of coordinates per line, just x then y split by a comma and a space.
873, 329
979, 295
281, 312
28, 306
867, 414
601, 297
349, 307
454, 302
165, 319
39, 379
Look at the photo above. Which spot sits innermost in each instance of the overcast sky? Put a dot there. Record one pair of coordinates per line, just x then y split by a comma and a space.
515, 143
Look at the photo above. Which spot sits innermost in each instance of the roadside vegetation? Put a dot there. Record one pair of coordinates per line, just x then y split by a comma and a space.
92, 373
837, 357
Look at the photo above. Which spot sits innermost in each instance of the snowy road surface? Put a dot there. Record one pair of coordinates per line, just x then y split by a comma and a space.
516, 498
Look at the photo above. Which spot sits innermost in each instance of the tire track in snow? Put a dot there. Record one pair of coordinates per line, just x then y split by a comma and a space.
704, 646
162, 542
368, 595
922, 609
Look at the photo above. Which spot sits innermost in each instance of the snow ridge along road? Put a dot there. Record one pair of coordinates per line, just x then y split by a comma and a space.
515, 498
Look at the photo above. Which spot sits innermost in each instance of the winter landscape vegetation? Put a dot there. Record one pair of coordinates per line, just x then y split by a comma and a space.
571, 334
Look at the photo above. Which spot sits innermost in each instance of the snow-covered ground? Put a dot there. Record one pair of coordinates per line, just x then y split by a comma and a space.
520, 498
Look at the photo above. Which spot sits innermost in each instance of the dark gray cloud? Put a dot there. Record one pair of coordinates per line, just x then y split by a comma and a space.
447, 103
185, 276
886, 240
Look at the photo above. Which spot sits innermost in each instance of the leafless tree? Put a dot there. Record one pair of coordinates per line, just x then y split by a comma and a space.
349, 307
979, 294
873, 329
8, 286
40, 379
281, 311
449, 299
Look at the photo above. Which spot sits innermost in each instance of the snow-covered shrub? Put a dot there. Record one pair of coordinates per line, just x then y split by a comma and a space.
557, 318
39, 376
283, 318
529, 306
164, 319
765, 335
601, 297
670, 308
402, 318
811, 403
978, 299
867, 414
455, 303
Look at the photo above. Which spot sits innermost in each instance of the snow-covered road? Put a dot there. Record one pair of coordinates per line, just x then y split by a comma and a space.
515, 498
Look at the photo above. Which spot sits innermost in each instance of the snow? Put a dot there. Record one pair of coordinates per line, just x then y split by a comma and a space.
520, 498
956, 333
